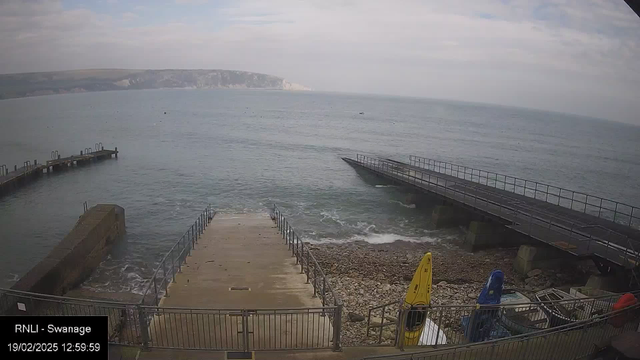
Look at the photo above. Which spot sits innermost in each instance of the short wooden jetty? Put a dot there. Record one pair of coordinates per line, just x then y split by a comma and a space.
85, 156
13, 179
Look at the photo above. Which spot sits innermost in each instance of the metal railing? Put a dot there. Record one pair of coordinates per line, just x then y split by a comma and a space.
569, 341
148, 325
314, 273
388, 317
615, 211
171, 263
241, 329
530, 223
462, 324
125, 325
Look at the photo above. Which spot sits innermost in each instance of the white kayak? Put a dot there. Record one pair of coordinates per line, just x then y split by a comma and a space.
429, 334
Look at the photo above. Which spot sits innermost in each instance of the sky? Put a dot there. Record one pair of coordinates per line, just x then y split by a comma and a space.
573, 56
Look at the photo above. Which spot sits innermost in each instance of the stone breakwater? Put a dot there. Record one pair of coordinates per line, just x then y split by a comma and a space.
365, 275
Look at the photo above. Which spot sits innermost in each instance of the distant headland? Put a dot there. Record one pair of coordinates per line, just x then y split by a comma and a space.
76, 81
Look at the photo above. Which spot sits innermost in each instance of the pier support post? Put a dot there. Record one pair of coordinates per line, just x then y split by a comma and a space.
539, 257
444, 216
116, 152
482, 235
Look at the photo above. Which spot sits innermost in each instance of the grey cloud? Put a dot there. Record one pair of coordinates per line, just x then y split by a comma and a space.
582, 61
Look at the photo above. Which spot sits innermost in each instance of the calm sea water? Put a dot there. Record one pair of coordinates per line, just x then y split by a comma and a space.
244, 150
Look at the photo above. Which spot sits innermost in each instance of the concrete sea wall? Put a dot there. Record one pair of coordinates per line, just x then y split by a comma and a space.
78, 254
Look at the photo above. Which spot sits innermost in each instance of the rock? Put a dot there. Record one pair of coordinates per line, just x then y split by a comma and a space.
534, 272
406, 277
387, 334
547, 284
442, 283
353, 317
390, 319
471, 295
528, 280
386, 287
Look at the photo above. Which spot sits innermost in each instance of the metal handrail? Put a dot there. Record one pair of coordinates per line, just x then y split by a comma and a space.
298, 250
471, 199
606, 298
174, 260
313, 272
589, 305
519, 183
583, 324
61, 299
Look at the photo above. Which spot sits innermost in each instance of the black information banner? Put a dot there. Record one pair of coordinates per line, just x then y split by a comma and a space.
48, 337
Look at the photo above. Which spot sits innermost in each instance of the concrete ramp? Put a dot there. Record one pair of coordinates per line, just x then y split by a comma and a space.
241, 290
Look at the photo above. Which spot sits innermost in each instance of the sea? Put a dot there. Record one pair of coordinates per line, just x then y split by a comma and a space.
245, 150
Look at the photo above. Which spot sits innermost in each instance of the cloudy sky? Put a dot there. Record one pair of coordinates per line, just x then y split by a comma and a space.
578, 56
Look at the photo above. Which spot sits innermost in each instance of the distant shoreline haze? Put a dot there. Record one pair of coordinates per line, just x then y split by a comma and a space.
78, 81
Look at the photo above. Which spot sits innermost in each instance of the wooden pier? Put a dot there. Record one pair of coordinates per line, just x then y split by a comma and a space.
13, 179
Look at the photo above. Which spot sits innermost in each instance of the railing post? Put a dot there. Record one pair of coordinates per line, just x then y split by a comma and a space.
337, 327
308, 262
302, 259
173, 266
324, 294
144, 330
155, 291
297, 249
315, 282
164, 276
402, 319
600, 208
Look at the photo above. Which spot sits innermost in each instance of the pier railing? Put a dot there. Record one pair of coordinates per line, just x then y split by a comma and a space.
171, 263
573, 340
538, 227
309, 266
615, 211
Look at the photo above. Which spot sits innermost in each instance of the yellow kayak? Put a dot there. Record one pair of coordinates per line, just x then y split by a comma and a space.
418, 295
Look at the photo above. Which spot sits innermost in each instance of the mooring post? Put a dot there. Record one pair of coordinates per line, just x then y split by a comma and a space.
116, 152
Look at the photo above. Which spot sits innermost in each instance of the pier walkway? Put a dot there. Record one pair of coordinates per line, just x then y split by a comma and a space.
10, 180
567, 220
19, 174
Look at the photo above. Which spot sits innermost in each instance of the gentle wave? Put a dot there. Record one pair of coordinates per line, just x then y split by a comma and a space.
333, 215
375, 239
409, 206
